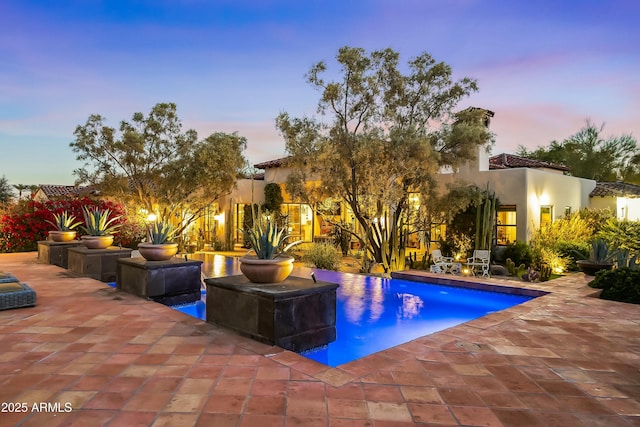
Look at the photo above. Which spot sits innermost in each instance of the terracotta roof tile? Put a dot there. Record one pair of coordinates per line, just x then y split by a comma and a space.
66, 190
615, 189
506, 161
272, 163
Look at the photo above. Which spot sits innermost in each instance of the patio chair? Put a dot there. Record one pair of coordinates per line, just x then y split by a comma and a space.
479, 262
443, 264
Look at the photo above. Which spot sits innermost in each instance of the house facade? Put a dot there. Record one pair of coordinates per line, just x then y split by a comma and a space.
531, 193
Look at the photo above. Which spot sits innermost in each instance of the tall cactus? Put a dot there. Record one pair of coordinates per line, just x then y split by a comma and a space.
486, 219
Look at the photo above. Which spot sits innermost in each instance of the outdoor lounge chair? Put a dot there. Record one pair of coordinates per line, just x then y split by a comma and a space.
14, 294
443, 264
479, 262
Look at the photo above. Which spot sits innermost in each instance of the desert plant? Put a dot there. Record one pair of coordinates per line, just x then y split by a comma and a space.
545, 273
621, 234
342, 237
324, 256
97, 222
486, 219
160, 232
392, 241
519, 252
531, 275
64, 221
513, 270
266, 239
623, 259
416, 264
600, 252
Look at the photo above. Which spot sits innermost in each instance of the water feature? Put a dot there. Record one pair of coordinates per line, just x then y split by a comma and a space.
374, 314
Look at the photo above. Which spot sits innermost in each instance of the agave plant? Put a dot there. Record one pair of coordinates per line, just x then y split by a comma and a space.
98, 223
161, 232
64, 221
600, 252
265, 239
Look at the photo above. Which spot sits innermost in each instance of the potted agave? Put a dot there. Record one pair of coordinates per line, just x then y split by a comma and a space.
64, 227
159, 247
99, 227
600, 258
269, 264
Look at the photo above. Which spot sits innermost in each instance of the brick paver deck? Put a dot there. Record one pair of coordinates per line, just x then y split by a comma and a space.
564, 359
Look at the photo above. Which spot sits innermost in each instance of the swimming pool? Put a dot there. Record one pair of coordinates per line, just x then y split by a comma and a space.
373, 314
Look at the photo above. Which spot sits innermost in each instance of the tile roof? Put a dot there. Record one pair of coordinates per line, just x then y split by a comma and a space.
507, 161
615, 189
276, 163
62, 190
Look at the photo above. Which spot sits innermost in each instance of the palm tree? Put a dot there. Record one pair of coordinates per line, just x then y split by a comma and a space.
20, 188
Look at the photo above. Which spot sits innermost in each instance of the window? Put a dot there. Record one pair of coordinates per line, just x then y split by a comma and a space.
438, 232
299, 221
506, 231
546, 215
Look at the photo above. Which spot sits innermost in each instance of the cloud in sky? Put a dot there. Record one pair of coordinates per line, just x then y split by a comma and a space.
543, 67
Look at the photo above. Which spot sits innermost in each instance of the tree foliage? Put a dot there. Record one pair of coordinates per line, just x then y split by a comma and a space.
591, 156
380, 134
6, 192
152, 162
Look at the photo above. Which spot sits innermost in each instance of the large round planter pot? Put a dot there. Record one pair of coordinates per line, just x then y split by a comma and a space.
266, 270
62, 236
162, 252
97, 242
591, 268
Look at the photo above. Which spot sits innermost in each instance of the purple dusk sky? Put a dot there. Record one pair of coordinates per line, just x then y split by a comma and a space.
544, 67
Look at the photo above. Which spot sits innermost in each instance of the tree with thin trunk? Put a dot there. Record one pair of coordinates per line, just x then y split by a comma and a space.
155, 164
20, 188
381, 134
589, 155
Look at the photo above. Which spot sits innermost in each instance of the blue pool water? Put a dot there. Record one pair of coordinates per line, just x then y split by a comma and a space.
373, 314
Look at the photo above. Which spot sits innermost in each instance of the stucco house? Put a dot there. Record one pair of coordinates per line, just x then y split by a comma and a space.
531, 193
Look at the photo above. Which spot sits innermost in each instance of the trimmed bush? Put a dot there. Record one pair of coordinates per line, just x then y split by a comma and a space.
324, 256
622, 284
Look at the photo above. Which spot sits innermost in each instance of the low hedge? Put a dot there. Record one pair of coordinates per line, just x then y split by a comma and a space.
621, 284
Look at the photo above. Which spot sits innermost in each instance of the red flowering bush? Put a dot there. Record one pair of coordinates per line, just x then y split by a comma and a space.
26, 223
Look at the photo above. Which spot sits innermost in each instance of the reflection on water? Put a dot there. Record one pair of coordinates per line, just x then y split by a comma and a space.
373, 314
214, 265
410, 307
362, 297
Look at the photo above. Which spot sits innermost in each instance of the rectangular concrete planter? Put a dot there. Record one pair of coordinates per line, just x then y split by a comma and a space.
296, 314
56, 253
170, 282
99, 264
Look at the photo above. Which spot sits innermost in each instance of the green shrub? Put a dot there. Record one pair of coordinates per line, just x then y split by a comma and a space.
519, 252
550, 258
621, 284
569, 250
622, 234
324, 256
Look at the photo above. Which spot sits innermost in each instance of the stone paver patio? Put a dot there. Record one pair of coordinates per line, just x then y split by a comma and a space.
564, 359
